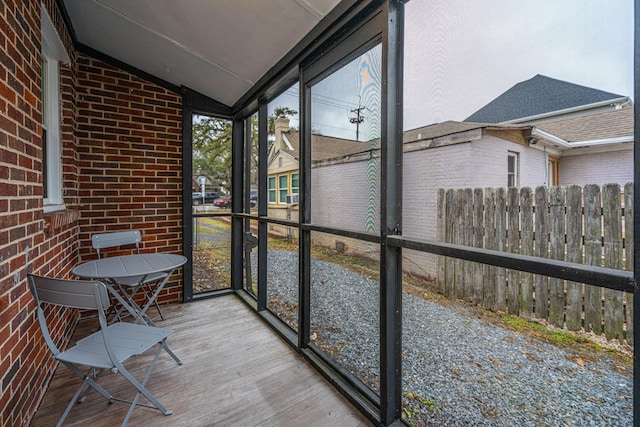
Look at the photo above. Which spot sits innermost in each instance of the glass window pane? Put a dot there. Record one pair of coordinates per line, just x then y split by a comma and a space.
345, 295
345, 146
250, 256
283, 188
282, 275
284, 152
210, 185
250, 189
295, 183
272, 189
504, 151
463, 362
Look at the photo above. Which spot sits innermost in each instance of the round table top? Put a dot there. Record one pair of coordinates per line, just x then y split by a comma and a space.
129, 265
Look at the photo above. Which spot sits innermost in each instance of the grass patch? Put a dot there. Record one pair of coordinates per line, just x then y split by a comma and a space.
559, 338
581, 345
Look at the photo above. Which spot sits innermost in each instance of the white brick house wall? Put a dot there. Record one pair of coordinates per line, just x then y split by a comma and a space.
340, 192
597, 168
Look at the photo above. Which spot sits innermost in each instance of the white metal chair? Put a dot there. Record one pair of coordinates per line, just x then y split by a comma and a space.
105, 350
136, 283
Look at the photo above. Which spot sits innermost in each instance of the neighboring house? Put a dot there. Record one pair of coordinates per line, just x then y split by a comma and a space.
284, 179
578, 144
543, 98
584, 132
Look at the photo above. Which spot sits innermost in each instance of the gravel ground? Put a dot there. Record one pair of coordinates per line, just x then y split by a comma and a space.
458, 370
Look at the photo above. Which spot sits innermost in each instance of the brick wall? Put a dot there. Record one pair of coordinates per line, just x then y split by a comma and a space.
597, 168
121, 157
130, 161
29, 240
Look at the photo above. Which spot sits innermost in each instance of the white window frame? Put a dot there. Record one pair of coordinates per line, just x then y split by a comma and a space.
274, 189
284, 189
53, 52
294, 190
516, 169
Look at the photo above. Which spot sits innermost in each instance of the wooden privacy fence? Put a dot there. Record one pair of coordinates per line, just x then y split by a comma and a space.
586, 225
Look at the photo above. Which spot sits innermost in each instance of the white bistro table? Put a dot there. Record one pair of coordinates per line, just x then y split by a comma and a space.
112, 270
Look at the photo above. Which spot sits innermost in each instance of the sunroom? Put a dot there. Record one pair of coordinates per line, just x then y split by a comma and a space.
346, 264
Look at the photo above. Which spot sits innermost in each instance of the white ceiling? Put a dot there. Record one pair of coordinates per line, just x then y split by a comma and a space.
220, 48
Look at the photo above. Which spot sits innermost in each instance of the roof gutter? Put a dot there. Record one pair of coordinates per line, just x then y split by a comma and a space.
535, 132
620, 102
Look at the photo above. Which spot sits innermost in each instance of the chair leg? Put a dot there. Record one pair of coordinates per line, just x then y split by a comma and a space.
142, 390
164, 345
86, 379
148, 293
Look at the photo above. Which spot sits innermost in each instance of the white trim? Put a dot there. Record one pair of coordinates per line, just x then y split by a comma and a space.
54, 208
51, 42
588, 143
616, 103
53, 52
286, 141
598, 149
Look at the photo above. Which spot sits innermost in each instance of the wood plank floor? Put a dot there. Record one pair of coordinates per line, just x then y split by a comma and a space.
236, 372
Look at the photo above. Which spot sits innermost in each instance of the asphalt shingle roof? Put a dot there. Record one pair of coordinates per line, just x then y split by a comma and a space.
609, 124
538, 95
326, 147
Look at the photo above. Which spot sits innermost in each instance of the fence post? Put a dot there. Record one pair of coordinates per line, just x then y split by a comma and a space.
573, 311
441, 236
628, 248
489, 281
449, 264
526, 248
458, 233
612, 239
592, 256
513, 236
556, 251
478, 239
467, 208
542, 250
501, 241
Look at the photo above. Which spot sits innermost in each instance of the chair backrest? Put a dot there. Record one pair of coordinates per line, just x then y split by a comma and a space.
66, 293
118, 238
84, 294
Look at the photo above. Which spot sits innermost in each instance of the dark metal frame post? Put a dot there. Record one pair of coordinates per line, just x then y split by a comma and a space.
237, 172
187, 216
246, 202
304, 217
391, 214
262, 205
304, 236
636, 218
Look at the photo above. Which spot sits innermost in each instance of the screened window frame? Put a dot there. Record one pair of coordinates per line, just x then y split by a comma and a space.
391, 239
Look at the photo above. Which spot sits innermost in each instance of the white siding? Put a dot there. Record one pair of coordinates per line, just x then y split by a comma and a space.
340, 192
340, 196
597, 168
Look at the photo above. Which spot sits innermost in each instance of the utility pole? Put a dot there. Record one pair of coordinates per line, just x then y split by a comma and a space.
359, 118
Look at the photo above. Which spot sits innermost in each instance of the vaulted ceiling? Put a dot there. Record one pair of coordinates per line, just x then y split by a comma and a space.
219, 48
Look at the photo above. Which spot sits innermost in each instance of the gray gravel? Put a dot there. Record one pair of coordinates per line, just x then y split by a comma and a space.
457, 369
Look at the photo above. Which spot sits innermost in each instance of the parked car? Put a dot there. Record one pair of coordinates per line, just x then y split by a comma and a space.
209, 197
223, 202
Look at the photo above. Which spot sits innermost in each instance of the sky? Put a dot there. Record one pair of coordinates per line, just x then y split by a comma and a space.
461, 54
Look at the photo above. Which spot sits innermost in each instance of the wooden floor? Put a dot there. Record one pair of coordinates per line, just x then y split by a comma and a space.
236, 372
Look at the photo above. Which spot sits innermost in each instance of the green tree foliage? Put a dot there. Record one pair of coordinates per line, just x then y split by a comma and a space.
212, 149
212, 146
